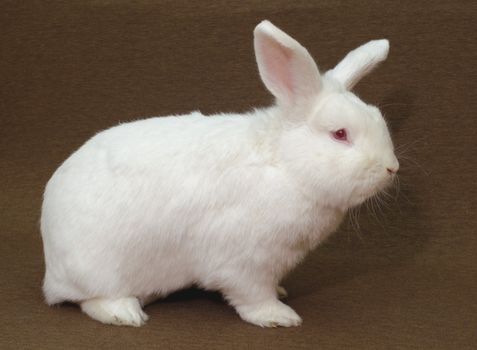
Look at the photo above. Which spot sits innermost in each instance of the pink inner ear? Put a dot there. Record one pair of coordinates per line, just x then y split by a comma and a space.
277, 70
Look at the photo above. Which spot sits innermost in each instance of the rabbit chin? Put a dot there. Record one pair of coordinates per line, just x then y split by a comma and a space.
359, 196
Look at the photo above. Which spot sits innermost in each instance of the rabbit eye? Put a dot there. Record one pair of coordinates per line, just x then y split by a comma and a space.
340, 135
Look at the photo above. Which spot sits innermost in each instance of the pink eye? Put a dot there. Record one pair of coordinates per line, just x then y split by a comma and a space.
340, 135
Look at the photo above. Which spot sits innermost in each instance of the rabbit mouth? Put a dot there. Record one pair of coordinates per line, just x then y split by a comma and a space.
372, 188
381, 189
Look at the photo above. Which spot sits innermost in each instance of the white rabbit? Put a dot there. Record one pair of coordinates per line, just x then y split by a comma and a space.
228, 203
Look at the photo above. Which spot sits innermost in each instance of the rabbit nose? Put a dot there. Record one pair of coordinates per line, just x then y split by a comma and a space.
392, 171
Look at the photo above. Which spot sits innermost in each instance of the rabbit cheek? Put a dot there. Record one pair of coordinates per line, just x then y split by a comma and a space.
367, 182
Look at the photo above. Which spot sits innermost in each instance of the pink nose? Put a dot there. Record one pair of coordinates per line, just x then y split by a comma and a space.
391, 171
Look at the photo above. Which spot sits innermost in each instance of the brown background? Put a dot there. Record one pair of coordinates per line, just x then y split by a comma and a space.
407, 279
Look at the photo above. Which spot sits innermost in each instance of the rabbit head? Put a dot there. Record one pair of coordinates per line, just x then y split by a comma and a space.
336, 145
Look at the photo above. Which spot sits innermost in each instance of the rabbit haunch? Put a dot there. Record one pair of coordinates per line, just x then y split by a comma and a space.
230, 202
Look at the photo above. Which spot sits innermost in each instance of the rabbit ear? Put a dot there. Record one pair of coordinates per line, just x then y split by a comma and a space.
360, 62
286, 68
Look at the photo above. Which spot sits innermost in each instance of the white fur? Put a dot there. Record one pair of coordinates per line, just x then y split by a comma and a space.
360, 62
230, 202
120, 312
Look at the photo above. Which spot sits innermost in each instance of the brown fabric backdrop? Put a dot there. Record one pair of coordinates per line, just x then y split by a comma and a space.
407, 279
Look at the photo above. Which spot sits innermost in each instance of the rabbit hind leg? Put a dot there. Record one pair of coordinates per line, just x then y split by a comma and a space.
119, 312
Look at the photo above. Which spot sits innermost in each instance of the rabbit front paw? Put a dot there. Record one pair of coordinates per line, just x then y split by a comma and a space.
272, 313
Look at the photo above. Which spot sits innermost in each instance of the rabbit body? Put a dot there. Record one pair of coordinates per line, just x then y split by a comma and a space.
157, 205
230, 202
